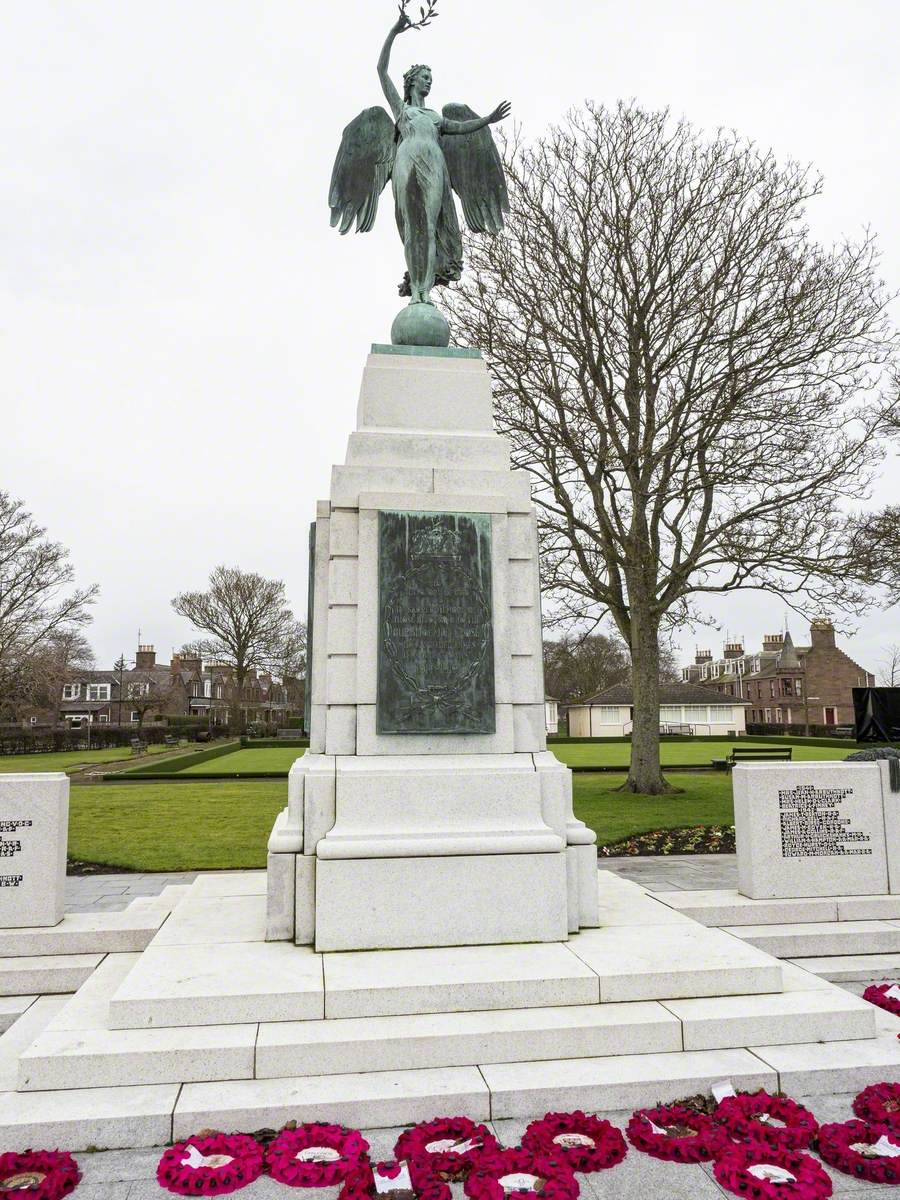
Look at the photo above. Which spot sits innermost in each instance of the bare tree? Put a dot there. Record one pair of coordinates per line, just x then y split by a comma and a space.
889, 667
144, 692
578, 666
246, 620
36, 680
688, 377
37, 603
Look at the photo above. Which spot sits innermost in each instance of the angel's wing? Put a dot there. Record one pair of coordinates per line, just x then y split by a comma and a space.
363, 166
476, 173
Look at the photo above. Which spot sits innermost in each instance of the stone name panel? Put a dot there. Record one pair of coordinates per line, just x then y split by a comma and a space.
810, 829
435, 623
34, 828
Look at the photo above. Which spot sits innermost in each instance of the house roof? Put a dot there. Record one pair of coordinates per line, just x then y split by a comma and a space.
669, 693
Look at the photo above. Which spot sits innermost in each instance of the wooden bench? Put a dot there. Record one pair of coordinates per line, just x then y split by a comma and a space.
754, 754
683, 730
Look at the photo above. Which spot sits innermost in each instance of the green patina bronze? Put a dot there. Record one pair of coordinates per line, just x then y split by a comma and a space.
435, 623
310, 619
427, 156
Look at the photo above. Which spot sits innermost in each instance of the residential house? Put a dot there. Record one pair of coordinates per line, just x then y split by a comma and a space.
683, 708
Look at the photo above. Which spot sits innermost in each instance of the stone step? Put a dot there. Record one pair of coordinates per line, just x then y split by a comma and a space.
629, 1081
809, 1069
97, 1118
380, 1099
46, 975
727, 908
860, 968
11, 1008
167, 900
20, 1035
825, 938
85, 933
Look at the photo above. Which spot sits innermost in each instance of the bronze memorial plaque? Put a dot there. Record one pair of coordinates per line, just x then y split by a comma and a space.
435, 623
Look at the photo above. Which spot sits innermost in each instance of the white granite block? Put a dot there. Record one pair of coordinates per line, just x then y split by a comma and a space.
216, 920
732, 1021
499, 742
46, 974
391, 982
822, 938
96, 1118
344, 533
85, 933
632, 906
521, 625
520, 586
320, 625
318, 714
670, 961
529, 725
847, 1066
11, 1008
19, 1037
891, 802
626, 1081
60, 1060
287, 833
797, 978
348, 483
341, 686
229, 883
809, 829
281, 897
340, 730
465, 1038
89, 1007
34, 830
305, 900
869, 908
729, 907
389, 1098
318, 801
522, 536
424, 392
342, 629
232, 984
467, 900
343, 581
527, 674
468, 451
515, 486
845, 968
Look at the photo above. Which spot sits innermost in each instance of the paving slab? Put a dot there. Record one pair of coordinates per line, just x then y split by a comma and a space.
11, 1008
232, 984
628, 1081
727, 906
215, 920
842, 968
464, 1038
84, 933
455, 979
661, 962
834, 1066
103, 1118
373, 1099
869, 908
817, 939
794, 1016
230, 883
46, 974
20, 1036
89, 1007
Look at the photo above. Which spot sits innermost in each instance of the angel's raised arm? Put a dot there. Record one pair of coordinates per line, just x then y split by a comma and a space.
384, 61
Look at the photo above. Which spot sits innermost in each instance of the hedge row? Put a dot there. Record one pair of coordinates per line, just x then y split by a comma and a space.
50, 740
172, 766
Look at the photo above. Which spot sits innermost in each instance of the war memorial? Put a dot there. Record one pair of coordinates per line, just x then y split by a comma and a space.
432, 933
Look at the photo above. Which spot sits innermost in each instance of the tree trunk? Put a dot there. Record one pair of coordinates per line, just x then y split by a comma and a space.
645, 775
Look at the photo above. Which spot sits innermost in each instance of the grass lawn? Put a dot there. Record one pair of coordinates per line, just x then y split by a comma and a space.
613, 815
174, 826
70, 760
272, 758
687, 753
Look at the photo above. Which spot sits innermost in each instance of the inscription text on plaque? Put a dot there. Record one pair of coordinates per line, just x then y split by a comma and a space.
435, 623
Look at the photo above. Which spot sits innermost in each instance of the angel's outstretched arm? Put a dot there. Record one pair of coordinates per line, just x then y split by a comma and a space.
384, 60
501, 111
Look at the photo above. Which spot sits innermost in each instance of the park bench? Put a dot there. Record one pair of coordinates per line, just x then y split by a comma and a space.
169, 740
137, 746
684, 730
754, 754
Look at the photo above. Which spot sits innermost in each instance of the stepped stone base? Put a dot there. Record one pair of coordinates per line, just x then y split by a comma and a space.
386, 1038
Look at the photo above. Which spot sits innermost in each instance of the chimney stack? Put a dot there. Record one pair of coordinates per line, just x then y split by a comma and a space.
146, 658
821, 635
703, 656
773, 641
733, 650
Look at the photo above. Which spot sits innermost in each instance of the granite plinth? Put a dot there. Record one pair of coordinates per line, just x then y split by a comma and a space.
34, 830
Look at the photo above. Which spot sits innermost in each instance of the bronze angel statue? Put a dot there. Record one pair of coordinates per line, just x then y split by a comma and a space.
427, 156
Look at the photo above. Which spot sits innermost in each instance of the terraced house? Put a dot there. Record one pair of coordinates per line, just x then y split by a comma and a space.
787, 687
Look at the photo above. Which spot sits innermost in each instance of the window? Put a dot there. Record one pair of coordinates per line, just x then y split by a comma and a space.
137, 689
98, 691
768, 716
34, 720
670, 714
71, 691
721, 714
695, 712
135, 717
789, 715
104, 717
207, 687
798, 685
779, 716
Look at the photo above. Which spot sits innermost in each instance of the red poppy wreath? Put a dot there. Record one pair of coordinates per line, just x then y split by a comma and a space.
879, 1105
521, 1173
315, 1155
210, 1166
676, 1134
760, 1173
878, 994
43, 1174
448, 1146
381, 1181
584, 1143
869, 1152
775, 1121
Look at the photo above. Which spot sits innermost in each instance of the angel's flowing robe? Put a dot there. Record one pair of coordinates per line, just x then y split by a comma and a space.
423, 199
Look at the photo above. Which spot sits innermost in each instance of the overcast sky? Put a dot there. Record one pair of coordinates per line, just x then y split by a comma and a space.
182, 334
